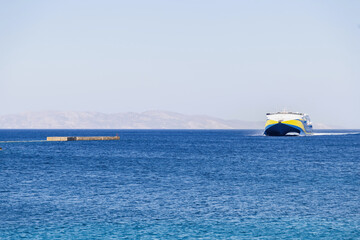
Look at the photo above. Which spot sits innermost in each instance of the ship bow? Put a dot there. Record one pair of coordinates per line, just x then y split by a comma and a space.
282, 128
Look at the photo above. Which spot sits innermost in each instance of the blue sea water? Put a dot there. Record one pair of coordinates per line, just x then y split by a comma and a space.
180, 184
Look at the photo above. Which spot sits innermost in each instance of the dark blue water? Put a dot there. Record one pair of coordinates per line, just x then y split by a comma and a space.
179, 185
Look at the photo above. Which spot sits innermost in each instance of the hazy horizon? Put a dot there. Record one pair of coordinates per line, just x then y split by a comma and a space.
152, 119
228, 59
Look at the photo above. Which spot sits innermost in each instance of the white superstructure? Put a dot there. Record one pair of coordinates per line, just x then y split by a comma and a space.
286, 116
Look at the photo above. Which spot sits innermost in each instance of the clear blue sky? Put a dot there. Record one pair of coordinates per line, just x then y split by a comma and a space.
229, 59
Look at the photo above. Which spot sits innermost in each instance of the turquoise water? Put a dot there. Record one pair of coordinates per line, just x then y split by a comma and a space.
180, 184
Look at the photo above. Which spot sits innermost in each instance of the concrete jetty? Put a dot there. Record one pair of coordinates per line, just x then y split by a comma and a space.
62, 139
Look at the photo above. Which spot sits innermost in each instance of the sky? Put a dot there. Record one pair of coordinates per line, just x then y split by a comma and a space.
227, 59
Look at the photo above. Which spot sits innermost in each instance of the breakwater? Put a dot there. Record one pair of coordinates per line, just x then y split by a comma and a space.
100, 138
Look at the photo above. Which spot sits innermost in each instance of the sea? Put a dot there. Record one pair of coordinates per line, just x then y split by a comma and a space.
180, 184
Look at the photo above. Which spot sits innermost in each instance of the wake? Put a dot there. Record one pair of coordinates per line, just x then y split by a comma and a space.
314, 134
335, 134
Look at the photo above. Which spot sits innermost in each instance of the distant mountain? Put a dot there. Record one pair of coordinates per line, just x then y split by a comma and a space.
95, 120
129, 120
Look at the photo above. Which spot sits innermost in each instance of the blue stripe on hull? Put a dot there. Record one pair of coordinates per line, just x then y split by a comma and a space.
280, 129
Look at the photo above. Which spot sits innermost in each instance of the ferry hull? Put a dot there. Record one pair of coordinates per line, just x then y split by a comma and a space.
283, 128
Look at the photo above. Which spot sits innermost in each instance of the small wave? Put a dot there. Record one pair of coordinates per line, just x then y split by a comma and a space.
22, 141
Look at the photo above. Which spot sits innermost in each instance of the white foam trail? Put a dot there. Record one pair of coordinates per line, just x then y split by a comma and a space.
330, 134
314, 134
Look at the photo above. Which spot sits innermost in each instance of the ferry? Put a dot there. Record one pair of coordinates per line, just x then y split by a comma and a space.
287, 124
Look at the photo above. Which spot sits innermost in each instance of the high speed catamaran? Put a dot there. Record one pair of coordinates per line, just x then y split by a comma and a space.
287, 124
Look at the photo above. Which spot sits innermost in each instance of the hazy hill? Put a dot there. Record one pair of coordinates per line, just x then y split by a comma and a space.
145, 120
130, 120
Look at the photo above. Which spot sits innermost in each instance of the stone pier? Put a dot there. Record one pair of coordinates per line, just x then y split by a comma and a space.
62, 139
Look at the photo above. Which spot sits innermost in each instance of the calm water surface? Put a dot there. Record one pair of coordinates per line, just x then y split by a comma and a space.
180, 184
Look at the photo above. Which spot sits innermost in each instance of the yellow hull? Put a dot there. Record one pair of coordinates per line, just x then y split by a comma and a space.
281, 128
